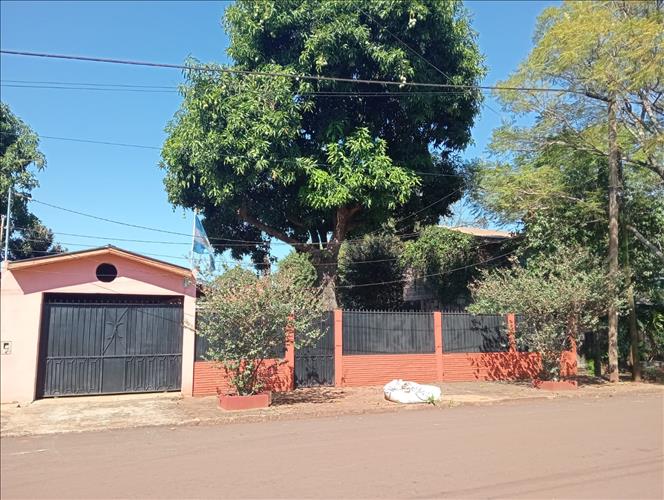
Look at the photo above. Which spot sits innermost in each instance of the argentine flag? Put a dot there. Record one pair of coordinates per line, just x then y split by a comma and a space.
201, 243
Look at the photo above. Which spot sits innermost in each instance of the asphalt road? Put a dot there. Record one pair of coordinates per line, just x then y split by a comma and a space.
567, 448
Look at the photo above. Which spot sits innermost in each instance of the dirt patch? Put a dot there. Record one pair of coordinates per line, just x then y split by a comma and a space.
170, 409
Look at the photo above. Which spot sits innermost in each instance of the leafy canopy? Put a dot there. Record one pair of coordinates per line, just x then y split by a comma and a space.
600, 51
316, 161
19, 157
373, 259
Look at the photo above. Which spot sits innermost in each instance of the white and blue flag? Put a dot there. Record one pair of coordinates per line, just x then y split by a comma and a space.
201, 242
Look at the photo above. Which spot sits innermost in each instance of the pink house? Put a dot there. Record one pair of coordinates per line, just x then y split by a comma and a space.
98, 321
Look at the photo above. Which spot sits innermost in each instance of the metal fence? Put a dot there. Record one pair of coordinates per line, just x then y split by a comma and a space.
393, 332
387, 332
314, 365
464, 332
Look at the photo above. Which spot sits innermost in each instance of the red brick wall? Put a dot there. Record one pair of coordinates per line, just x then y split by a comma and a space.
377, 369
460, 367
210, 378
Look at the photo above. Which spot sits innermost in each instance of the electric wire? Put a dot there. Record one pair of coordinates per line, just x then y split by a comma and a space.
275, 74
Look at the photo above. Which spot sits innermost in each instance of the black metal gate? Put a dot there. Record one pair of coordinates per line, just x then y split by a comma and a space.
315, 365
105, 344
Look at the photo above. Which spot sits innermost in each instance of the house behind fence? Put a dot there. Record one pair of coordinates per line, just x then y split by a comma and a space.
359, 348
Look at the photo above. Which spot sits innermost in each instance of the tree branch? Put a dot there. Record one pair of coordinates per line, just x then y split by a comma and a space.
651, 246
243, 214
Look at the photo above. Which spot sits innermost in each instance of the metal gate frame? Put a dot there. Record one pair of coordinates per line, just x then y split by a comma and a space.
314, 365
123, 362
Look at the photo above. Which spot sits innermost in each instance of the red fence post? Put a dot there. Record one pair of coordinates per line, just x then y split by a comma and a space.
568, 363
289, 355
338, 348
438, 343
511, 331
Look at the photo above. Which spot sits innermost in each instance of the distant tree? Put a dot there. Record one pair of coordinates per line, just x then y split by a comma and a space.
19, 150
312, 163
373, 259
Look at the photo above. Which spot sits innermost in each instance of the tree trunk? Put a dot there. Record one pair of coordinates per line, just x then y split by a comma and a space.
326, 265
327, 259
614, 213
635, 358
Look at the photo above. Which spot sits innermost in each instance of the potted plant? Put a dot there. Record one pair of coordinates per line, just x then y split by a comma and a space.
247, 321
559, 296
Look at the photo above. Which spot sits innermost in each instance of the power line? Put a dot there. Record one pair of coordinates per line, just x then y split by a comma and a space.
148, 88
361, 285
105, 143
234, 242
296, 76
128, 224
319, 94
42, 240
430, 205
97, 89
92, 84
278, 160
428, 275
108, 238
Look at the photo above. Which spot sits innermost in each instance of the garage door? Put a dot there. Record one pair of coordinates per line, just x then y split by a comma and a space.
106, 344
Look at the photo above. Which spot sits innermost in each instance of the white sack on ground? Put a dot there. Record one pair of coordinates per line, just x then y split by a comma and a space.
403, 391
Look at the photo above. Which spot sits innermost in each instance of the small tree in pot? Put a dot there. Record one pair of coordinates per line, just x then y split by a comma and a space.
245, 320
559, 297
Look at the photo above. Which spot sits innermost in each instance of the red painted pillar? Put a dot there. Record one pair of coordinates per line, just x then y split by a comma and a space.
568, 363
511, 331
438, 343
338, 348
289, 355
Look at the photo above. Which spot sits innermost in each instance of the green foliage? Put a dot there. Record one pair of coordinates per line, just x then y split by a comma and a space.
650, 319
599, 50
19, 150
434, 256
300, 269
359, 171
245, 318
554, 180
551, 176
558, 296
373, 259
312, 161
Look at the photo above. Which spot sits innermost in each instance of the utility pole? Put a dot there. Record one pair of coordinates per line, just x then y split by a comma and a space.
8, 219
614, 213
2, 227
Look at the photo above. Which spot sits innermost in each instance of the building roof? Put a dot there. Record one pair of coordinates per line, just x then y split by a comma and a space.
482, 233
105, 250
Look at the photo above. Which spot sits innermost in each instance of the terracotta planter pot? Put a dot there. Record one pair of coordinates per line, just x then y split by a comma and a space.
260, 400
555, 385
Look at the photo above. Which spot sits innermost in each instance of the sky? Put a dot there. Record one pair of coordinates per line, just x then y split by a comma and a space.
126, 183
